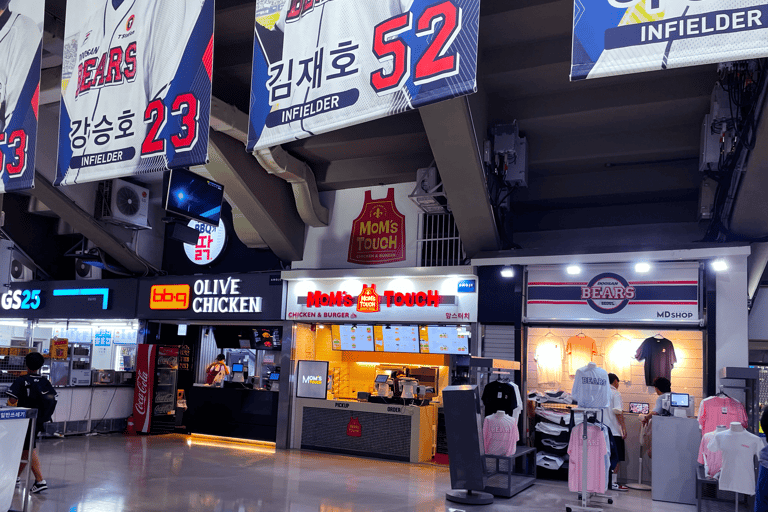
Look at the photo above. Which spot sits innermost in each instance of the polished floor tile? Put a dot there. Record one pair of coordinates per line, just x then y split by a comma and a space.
174, 473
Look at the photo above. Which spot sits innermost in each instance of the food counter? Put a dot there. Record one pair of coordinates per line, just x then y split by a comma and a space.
388, 431
232, 412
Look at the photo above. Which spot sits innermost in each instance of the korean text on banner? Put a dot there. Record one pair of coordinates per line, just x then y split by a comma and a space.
321, 65
617, 37
136, 87
21, 41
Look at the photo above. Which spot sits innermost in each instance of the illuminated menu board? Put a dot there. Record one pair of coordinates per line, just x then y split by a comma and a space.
397, 338
357, 337
444, 339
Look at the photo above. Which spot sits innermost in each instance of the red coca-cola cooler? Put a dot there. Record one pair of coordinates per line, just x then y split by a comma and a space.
154, 399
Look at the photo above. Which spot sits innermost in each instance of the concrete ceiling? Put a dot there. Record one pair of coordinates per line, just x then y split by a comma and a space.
604, 154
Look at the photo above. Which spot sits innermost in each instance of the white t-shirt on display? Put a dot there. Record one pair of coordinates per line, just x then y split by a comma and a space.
549, 360
591, 388
618, 358
739, 450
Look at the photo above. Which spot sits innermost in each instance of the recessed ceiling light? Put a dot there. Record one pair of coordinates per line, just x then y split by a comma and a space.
573, 269
643, 267
719, 265
507, 272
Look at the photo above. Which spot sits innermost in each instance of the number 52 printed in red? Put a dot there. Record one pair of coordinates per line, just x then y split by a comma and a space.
315, 71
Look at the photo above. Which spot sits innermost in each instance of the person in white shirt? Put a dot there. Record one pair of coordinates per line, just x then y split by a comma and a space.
615, 421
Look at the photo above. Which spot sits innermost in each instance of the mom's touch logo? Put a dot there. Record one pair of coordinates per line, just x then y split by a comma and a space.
608, 293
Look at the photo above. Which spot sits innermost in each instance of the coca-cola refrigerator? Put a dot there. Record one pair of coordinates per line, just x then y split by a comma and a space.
154, 398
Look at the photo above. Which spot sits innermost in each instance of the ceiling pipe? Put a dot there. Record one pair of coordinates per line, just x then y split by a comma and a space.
278, 162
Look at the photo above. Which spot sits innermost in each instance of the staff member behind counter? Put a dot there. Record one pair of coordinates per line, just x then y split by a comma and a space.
216, 371
663, 406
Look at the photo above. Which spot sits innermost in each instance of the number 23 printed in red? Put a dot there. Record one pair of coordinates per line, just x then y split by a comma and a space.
18, 143
437, 61
156, 115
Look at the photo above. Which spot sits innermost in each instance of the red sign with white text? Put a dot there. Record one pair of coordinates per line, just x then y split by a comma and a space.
369, 301
145, 381
378, 233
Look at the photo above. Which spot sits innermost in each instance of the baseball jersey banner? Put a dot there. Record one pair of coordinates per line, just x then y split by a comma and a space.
617, 37
21, 42
135, 87
321, 65
668, 293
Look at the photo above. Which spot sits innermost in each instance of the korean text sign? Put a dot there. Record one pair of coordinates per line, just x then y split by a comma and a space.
21, 39
617, 37
321, 65
136, 87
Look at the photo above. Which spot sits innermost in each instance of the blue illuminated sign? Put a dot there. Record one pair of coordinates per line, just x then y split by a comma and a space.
85, 292
467, 286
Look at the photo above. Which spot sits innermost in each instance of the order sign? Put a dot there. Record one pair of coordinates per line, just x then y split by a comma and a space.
210, 243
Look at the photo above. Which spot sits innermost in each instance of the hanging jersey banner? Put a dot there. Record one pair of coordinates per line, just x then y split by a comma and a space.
135, 87
21, 41
617, 37
321, 65
668, 293
378, 233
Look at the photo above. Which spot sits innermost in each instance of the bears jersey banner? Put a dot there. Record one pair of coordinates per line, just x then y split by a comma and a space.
21, 41
617, 37
136, 87
321, 65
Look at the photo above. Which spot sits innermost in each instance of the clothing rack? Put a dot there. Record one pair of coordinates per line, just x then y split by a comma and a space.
584, 495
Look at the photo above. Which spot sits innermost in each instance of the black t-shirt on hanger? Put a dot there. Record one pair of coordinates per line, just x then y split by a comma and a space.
499, 396
659, 355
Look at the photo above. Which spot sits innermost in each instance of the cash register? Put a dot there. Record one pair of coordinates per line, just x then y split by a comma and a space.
238, 372
384, 385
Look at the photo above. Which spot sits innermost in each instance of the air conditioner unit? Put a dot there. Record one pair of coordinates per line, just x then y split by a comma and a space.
20, 272
122, 203
84, 271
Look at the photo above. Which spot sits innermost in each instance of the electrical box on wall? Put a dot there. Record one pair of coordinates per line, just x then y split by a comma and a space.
512, 152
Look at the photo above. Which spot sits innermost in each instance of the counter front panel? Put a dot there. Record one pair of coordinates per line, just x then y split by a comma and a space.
357, 433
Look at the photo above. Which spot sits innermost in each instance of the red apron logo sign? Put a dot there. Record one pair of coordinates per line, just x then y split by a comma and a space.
608, 293
368, 301
378, 233
354, 428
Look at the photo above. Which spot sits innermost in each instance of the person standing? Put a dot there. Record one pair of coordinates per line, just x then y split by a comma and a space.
216, 371
33, 391
663, 390
615, 421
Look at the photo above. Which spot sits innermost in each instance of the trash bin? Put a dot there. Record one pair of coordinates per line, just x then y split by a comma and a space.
13, 428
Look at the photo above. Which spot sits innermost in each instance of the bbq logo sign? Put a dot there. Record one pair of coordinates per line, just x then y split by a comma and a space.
321, 65
616, 37
135, 87
668, 293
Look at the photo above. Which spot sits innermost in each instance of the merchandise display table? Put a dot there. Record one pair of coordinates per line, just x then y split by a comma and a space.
509, 476
387, 431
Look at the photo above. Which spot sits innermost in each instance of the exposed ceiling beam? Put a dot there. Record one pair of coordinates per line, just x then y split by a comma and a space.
271, 205
451, 133
366, 172
82, 222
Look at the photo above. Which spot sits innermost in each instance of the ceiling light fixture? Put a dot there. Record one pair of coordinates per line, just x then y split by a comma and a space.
573, 269
643, 267
507, 272
719, 265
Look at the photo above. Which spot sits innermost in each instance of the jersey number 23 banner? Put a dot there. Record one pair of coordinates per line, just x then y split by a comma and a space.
21, 39
321, 65
617, 37
136, 87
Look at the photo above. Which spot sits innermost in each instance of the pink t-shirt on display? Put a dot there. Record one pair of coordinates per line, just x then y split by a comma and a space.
500, 435
718, 410
597, 451
713, 461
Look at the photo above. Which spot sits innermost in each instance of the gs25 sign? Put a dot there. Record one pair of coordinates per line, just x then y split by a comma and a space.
20, 299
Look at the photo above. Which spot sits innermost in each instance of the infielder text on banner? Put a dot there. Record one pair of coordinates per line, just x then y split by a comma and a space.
616, 37
136, 87
321, 65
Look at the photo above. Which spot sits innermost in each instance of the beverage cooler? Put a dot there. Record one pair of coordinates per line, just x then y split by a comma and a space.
154, 399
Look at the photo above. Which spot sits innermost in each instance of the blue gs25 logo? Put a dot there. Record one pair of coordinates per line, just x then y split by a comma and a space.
21, 299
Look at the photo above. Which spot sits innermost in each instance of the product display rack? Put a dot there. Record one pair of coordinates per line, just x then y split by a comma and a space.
584, 496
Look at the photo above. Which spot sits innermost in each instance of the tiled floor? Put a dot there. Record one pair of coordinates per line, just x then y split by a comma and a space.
172, 473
